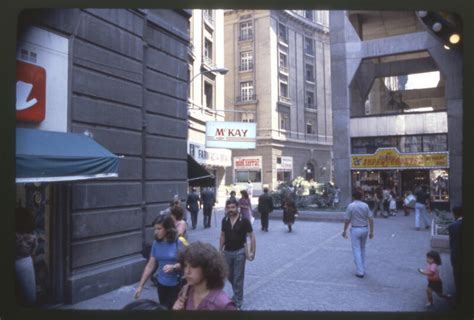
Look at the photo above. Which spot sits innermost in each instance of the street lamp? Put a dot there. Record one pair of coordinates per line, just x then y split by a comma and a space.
222, 71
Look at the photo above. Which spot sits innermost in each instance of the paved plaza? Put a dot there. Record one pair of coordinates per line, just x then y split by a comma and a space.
312, 269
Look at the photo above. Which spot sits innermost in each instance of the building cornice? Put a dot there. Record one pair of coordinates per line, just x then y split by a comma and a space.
307, 24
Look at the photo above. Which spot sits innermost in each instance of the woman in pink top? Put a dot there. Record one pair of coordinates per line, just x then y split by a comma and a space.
205, 271
434, 281
245, 206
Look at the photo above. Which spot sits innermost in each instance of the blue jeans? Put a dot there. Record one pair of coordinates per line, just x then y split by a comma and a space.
358, 239
236, 262
25, 280
420, 210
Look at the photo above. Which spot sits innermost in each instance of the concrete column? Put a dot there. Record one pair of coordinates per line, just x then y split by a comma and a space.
450, 64
344, 41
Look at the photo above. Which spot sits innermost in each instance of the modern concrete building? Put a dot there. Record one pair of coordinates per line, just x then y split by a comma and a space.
120, 75
206, 94
388, 131
279, 77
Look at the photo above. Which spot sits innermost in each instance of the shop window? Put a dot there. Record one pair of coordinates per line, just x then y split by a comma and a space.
436, 142
439, 182
283, 176
246, 175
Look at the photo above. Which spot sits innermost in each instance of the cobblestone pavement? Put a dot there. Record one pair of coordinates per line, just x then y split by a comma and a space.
312, 269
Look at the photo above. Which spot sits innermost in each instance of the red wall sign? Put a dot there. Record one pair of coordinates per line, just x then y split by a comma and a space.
30, 92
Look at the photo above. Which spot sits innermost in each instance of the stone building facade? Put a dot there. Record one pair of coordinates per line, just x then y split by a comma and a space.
279, 78
126, 83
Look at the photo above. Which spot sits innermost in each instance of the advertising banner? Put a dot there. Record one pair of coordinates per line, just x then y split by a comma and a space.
391, 158
247, 163
230, 135
209, 156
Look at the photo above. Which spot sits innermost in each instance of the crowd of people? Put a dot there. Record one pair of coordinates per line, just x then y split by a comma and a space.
191, 276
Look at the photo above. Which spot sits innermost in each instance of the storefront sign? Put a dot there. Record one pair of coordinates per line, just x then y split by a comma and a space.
391, 158
209, 156
30, 92
241, 163
286, 164
230, 135
42, 81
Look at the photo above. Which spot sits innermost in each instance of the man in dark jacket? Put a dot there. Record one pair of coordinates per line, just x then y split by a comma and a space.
208, 199
265, 207
193, 204
455, 238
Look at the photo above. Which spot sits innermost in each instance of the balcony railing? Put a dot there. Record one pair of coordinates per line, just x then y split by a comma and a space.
246, 67
284, 69
246, 98
310, 106
209, 18
284, 99
209, 62
244, 37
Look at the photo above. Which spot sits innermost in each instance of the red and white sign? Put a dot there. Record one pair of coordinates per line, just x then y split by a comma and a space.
247, 163
30, 92
230, 135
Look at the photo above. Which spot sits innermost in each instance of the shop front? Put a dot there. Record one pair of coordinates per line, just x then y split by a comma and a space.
214, 161
248, 169
402, 172
284, 167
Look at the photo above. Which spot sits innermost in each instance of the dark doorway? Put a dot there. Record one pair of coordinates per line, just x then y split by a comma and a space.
413, 178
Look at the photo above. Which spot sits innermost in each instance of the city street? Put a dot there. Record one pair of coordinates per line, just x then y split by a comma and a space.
312, 269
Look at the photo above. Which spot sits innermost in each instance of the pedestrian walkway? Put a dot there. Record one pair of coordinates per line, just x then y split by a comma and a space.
312, 269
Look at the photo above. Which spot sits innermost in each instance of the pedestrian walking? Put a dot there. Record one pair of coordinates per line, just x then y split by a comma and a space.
193, 202
455, 246
208, 200
422, 201
177, 214
245, 206
289, 212
359, 216
409, 202
265, 207
392, 204
435, 284
234, 232
250, 188
25, 247
164, 252
205, 271
378, 201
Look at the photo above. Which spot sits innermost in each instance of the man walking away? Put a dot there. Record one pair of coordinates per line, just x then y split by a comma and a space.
455, 246
208, 200
422, 200
234, 232
192, 204
265, 207
359, 216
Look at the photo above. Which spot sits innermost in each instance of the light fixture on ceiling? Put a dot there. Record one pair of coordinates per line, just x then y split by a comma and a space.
437, 27
446, 47
454, 38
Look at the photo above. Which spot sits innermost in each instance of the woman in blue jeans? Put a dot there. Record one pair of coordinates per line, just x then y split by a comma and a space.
164, 251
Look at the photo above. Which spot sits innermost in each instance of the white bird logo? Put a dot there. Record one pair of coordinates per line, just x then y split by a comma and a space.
23, 90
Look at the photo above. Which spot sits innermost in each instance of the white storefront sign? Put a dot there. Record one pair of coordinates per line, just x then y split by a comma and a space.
286, 164
209, 156
50, 52
231, 135
247, 163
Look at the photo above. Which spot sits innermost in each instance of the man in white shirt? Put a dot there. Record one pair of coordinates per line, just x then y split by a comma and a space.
361, 219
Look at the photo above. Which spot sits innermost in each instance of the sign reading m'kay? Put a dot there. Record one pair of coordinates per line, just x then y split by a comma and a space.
230, 135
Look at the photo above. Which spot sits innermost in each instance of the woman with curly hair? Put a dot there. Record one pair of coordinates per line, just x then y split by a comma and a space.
164, 251
205, 271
